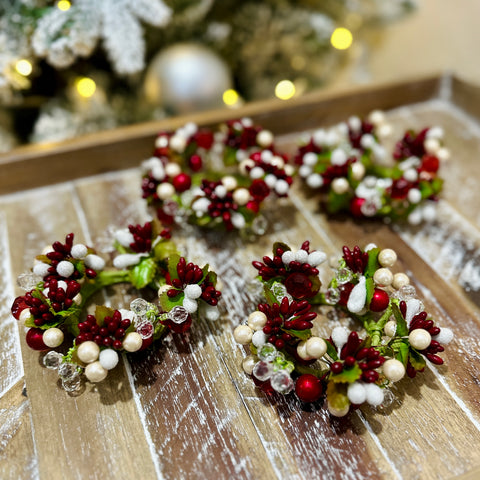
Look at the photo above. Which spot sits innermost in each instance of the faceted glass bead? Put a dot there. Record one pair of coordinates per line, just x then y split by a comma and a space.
343, 275
139, 306
268, 352
259, 225
73, 383
170, 208
67, 371
263, 371
407, 292
282, 382
369, 208
279, 363
52, 360
28, 281
332, 296
178, 314
145, 329
388, 399
279, 291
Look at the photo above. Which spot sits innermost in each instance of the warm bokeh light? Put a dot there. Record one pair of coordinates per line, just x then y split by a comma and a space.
63, 5
341, 38
230, 97
23, 67
285, 90
85, 86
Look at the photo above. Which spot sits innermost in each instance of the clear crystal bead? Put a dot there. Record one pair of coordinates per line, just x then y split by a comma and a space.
406, 293
369, 208
263, 371
282, 382
52, 360
388, 399
67, 371
170, 208
332, 296
139, 306
28, 281
72, 384
178, 315
343, 275
259, 225
268, 352
145, 329
280, 363
279, 291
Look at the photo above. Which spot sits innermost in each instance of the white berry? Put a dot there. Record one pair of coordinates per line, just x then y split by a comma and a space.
257, 320
165, 190
281, 187
238, 220
178, 143
79, 251
241, 196
264, 138
95, 262
340, 185
288, 257
108, 359
259, 338
414, 195
211, 313
419, 338
172, 169
339, 157
243, 334
340, 336
301, 256
65, 268
41, 269
316, 347
358, 171
445, 336
193, 291
387, 257
390, 328
310, 159
95, 372
190, 305
229, 182
374, 393
302, 350
88, 351
53, 337
132, 342
315, 180
357, 393
316, 258
394, 370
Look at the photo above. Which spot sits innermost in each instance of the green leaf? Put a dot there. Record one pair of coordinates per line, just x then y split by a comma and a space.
229, 156
101, 311
372, 264
402, 353
164, 249
143, 273
301, 334
168, 303
402, 328
269, 296
172, 266
282, 246
347, 375
370, 286
331, 351
337, 395
337, 203
417, 360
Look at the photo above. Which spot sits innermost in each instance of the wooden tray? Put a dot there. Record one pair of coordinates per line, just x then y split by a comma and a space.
187, 411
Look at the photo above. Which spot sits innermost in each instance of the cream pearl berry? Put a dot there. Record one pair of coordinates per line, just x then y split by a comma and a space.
241, 196
243, 334
278, 162
53, 337
172, 169
108, 359
248, 364
302, 351
245, 164
338, 412
257, 320
400, 280
264, 138
178, 143
358, 171
387, 257
419, 339
340, 185
316, 347
24, 315
165, 191
95, 372
394, 370
390, 328
443, 154
163, 289
77, 299
383, 276
88, 351
229, 182
132, 342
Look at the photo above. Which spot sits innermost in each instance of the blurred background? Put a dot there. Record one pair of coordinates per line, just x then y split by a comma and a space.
71, 67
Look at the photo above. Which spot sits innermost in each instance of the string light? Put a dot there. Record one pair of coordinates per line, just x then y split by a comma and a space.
230, 97
63, 5
341, 38
285, 89
23, 67
85, 86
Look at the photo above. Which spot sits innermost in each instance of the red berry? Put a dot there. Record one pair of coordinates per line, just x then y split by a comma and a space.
182, 182
356, 206
308, 388
195, 163
430, 163
34, 339
380, 300
298, 285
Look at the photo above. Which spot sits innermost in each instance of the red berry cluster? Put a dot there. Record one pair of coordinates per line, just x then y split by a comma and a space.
355, 259
142, 236
286, 316
110, 334
243, 138
355, 136
219, 206
307, 148
420, 321
189, 273
411, 145
367, 358
296, 276
59, 299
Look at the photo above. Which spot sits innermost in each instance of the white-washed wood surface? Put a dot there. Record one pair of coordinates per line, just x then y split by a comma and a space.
187, 410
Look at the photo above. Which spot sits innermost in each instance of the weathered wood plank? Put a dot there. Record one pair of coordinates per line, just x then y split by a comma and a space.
18, 459
102, 424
